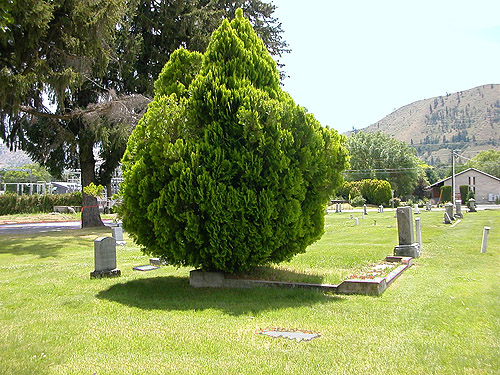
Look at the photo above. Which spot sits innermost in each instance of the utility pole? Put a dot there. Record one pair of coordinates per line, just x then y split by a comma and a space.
453, 176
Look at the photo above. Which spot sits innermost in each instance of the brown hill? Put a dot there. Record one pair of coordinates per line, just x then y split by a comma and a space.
467, 120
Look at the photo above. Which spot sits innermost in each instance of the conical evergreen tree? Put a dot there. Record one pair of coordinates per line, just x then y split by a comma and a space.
227, 173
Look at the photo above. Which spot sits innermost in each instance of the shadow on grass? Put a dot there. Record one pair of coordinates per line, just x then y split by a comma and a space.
175, 294
47, 244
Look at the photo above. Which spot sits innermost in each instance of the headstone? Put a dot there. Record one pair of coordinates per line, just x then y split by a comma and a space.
364, 210
118, 235
105, 258
428, 206
381, 209
418, 231
472, 205
356, 221
407, 246
417, 210
458, 210
351, 217
448, 213
340, 207
484, 244
337, 208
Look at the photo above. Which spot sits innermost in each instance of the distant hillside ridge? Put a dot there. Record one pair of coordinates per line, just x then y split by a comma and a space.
467, 120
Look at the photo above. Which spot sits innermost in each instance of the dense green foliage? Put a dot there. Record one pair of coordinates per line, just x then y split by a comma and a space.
23, 204
445, 195
464, 192
94, 63
376, 192
27, 173
379, 156
234, 174
486, 161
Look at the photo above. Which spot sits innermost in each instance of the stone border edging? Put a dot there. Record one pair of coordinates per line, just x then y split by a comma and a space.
376, 286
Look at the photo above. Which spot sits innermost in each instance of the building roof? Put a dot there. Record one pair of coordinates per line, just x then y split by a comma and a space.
458, 174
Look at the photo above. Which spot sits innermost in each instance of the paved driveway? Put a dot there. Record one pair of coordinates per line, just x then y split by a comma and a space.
21, 228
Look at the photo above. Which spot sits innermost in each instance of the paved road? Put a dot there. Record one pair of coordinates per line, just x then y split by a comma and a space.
21, 228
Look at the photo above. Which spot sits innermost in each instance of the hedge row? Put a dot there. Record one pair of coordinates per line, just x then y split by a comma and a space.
24, 204
376, 192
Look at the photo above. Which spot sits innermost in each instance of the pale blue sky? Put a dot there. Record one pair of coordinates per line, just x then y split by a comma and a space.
354, 61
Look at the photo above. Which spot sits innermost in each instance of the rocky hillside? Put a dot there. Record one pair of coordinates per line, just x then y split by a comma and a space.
10, 159
466, 120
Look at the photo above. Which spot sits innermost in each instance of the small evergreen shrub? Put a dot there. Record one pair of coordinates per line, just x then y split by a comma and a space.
464, 191
225, 172
357, 201
445, 194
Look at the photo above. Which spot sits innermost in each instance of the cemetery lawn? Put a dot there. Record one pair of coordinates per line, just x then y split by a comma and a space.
441, 316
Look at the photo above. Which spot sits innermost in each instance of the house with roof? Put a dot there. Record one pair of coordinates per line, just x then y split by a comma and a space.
485, 186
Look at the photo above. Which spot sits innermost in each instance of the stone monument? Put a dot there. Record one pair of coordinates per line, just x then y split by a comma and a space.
428, 206
458, 210
365, 212
448, 213
417, 210
118, 235
407, 246
105, 258
472, 205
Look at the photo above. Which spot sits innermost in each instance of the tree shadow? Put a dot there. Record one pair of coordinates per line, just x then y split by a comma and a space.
175, 294
46, 244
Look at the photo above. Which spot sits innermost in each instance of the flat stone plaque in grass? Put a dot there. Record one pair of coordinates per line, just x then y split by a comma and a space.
293, 334
147, 267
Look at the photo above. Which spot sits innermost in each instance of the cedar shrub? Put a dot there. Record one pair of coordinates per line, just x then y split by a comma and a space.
225, 172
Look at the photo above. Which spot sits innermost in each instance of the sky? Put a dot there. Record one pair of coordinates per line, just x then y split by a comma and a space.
355, 61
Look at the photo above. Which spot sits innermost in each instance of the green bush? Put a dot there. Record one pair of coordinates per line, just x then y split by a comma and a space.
464, 191
11, 204
375, 192
445, 194
226, 172
357, 201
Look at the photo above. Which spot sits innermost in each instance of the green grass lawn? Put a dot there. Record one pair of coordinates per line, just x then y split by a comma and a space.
442, 316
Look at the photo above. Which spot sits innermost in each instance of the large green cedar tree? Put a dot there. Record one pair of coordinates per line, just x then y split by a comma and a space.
225, 172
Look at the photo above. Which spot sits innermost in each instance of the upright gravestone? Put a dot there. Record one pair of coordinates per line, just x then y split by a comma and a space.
340, 207
418, 231
365, 212
458, 210
472, 205
381, 209
428, 206
105, 258
448, 213
417, 210
407, 246
118, 235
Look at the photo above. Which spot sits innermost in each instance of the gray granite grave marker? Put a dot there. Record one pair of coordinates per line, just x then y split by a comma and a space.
418, 231
472, 205
458, 210
364, 210
428, 206
118, 235
105, 258
417, 210
448, 213
407, 246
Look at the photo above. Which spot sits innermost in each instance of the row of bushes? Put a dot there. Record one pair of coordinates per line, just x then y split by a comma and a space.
465, 193
24, 204
375, 192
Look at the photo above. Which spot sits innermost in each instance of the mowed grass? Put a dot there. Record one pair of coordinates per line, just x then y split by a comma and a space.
441, 316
